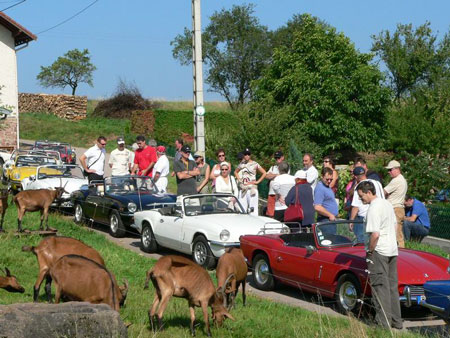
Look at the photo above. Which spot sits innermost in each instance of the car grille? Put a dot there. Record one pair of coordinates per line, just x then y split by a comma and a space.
416, 290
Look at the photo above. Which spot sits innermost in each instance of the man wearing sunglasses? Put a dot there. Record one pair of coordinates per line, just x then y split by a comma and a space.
93, 160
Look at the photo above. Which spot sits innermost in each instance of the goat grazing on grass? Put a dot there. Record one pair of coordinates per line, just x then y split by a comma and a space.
3, 205
78, 278
180, 277
10, 283
51, 249
230, 272
36, 200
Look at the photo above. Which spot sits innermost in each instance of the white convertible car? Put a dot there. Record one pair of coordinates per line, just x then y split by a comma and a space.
51, 176
201, 225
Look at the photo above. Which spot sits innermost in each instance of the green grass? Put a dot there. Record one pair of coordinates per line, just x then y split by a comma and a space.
260, 318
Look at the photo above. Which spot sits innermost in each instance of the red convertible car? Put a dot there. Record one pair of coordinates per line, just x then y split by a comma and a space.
329, 260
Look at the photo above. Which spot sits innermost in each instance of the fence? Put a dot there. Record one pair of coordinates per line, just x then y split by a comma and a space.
440, 221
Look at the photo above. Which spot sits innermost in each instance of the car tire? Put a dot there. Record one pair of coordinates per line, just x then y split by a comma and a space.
148, 241
116, 227
348, 291
202, 254
78, 215
262, 273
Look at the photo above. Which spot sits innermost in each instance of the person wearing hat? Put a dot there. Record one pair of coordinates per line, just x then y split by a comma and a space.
226, 183
305, 195
359, 209
247, 170
395, 193
186, 170
144, 158
271, 174
203, 178
93, 160
120, 159
161, 169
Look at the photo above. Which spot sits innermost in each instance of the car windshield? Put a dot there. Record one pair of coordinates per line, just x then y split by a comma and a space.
340, 233
30, 161
212, 204
130, 185
72, 171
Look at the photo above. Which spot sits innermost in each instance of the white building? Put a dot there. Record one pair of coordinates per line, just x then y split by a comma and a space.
13, 37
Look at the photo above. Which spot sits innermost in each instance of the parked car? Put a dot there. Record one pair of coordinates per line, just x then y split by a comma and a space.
329, 260
66, 151
437, 298
4, 156
201, 225
114, 201
69, 176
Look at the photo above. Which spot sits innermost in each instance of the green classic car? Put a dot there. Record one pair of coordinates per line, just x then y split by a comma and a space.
24, 166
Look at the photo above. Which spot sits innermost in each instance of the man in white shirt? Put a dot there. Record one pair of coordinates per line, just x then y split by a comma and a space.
271, 174
359, 209
161, 169
282, 184
93, 160
312, 175
120, 159
381, 256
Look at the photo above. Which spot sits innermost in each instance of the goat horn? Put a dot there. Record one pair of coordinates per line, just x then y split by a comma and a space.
8, 273
230, 276
60, 182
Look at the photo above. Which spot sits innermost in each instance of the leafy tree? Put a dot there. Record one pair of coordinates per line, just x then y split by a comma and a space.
322, 88
236, 48
69, 70
412, 56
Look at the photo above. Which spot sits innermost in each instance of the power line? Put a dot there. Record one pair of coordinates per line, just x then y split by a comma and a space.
4, 9
68, 19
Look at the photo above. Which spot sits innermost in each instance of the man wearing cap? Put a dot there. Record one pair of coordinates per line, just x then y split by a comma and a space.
282, 184
271, 174
144, 158
359, 209
161, 169
305, 195
312, 175
370, 174
120, 159
417, 221
186, 170
93, 160
395, 193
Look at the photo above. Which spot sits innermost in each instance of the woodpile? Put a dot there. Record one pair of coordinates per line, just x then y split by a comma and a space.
64, 106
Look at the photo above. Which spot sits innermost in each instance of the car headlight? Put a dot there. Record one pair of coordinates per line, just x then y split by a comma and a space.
132, 207
224, 235
16, 176
285, 230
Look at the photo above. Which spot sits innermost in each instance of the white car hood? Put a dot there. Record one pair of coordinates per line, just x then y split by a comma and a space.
70, 184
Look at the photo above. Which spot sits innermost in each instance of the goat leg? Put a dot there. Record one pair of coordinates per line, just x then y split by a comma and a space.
204, 306
48, 288
243, 292
19, 225
192, 312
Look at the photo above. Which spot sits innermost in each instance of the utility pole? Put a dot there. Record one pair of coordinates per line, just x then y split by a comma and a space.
197, 62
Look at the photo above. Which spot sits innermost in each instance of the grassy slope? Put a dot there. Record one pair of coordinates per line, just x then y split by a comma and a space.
261, 318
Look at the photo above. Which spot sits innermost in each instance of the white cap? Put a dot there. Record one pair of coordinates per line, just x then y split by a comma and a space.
301, 174
393, 164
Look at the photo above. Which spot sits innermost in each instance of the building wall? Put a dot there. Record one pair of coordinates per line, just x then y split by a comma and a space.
9, 91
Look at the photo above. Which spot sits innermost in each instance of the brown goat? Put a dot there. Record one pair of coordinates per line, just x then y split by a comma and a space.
3, 205
10, 283
231, 272
78, 278
36, 200
180, 277
51, 249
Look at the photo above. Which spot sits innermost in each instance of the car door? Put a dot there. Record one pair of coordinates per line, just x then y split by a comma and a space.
167, 230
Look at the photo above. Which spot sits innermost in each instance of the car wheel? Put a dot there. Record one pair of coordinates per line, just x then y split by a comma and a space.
148, 241
116, 227
262, 273
348, 292
79, 214
202, 254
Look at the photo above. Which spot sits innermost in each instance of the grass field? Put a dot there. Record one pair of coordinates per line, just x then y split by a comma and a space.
260, 318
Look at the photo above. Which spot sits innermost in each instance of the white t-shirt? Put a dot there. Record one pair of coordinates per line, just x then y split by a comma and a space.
281, 186
120, 160
161, 166
312, 176
381, 218
222, 186
273, 170
356, 202
97, 155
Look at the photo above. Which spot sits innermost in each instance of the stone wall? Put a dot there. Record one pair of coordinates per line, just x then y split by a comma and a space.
8, 133
64, 106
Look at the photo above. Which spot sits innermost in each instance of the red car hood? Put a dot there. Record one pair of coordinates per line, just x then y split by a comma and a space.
414, 267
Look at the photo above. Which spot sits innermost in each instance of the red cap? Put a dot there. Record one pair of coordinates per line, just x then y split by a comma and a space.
161, 149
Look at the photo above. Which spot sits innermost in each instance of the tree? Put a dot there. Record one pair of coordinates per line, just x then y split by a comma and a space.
322, 88
69, 70
236, 48
413, 56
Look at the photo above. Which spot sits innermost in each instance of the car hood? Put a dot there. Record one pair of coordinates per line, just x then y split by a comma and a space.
70, 184
414, 267
147, 201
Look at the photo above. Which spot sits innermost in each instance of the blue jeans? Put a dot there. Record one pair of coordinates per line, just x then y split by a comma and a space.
358, 229
413, 229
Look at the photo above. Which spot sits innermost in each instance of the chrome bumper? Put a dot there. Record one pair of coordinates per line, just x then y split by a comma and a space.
226, 245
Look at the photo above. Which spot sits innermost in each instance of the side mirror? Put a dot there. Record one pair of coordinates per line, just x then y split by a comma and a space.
310, 250
32, 178
250, 210
178, 213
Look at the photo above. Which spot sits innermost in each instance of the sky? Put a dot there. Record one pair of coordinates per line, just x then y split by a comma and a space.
130, 39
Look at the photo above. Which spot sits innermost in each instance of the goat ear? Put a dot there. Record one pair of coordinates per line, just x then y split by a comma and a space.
8, 273
226, 314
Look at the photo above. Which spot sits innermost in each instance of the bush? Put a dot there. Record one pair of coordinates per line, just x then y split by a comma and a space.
143, 122
127, 99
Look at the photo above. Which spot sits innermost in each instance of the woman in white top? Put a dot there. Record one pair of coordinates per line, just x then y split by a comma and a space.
215, 170
225, 182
